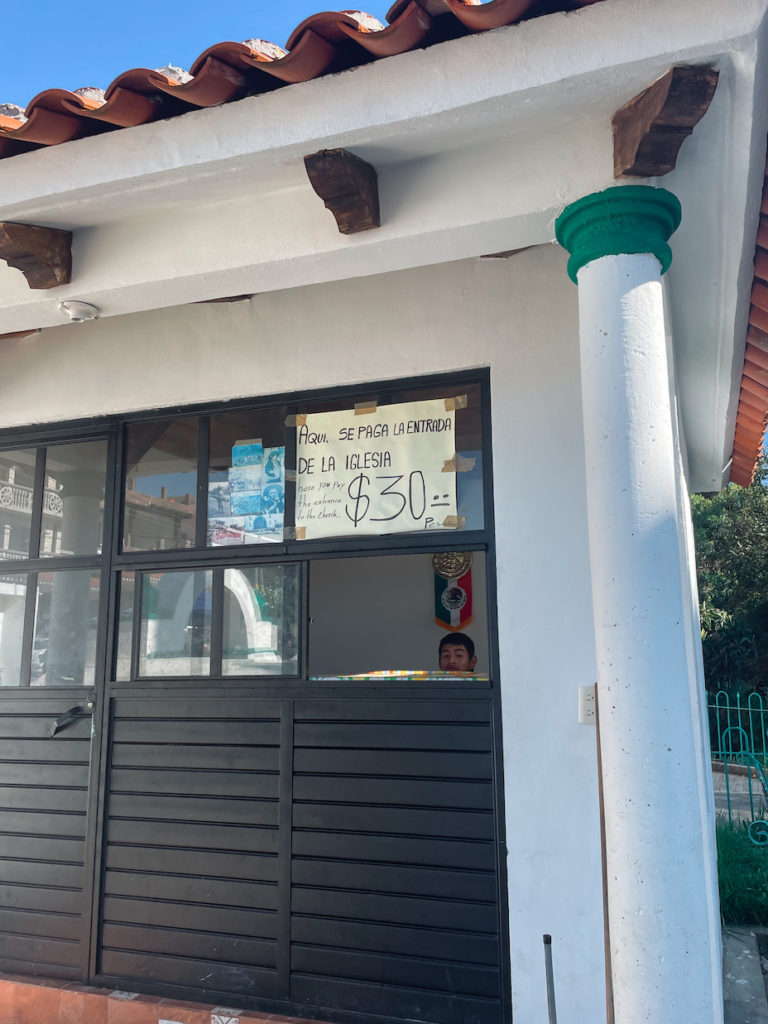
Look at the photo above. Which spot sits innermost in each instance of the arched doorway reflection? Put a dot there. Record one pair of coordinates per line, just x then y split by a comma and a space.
260, 620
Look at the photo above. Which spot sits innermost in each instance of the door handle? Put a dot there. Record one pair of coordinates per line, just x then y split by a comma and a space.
70, 715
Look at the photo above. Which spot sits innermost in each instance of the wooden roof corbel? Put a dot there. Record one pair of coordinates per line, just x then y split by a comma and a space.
649, 130
43, 255
11, 335
348, 186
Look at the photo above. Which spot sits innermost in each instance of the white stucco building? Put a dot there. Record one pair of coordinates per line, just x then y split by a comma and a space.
220, 281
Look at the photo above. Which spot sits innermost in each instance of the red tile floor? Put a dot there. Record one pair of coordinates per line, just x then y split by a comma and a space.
23, 1001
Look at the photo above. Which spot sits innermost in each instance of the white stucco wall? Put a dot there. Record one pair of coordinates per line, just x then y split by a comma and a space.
518, 316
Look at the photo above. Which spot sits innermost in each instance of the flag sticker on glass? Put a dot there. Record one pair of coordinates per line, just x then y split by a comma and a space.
380, 473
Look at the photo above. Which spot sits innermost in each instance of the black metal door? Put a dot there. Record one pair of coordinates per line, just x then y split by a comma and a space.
317, 848
394, 887
191, 843
45, 869
321, 855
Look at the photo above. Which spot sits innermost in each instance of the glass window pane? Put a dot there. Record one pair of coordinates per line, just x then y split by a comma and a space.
261, 614
160, 485
124, 627
175, 623
13, 596
17, 478
390, 612
66, 616
73, 500
246, 481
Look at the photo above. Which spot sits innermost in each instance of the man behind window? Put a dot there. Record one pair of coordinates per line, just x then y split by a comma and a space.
457, 653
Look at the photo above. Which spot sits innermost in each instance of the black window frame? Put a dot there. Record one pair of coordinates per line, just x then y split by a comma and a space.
40, 440
113, 560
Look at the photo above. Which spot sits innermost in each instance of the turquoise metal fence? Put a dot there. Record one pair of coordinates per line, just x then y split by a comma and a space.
747, 713
739, 744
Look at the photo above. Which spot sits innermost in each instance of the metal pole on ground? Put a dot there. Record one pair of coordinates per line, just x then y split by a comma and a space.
550, 979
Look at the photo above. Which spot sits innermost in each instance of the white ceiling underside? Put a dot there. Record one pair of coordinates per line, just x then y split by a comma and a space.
479, 144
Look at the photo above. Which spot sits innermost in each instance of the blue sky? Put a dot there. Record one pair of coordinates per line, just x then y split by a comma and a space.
66, 45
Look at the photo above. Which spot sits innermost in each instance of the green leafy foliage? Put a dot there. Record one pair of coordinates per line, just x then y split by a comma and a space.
731, 531
742, 869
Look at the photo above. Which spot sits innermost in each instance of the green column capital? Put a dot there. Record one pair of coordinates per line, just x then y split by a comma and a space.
624, 219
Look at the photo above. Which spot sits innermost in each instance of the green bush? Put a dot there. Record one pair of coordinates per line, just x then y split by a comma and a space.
742, 870
731, 531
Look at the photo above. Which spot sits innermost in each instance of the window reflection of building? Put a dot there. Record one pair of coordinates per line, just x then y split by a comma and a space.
16, 498
72, 501
258, 630
260, 620
176, 623
160, 485
158, 522
70, 506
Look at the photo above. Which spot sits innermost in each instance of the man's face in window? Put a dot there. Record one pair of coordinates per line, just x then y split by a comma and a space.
455, 658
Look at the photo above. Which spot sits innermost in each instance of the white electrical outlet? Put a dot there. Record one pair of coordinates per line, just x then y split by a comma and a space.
587, 708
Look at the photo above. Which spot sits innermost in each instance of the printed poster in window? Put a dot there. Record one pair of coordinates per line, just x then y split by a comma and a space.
250, 507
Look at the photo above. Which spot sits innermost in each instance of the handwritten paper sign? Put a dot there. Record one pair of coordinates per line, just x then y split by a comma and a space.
380, 472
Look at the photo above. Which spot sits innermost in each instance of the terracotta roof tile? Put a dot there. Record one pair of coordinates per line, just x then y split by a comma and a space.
752, 412
756, 373
747, 437
745, 464
322, 43
750, 432
478, 17
751, 427
751, 405
739, 476
742, 471
761, 266
745, 452
743, 447
758, 318
760, 295
757, 354
759, 390
407, 32
743, 461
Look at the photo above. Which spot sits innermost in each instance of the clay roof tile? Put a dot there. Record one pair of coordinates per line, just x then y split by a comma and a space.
325, 41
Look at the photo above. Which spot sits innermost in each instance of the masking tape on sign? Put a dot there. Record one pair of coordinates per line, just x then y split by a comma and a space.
458, 464
455, 522
459, 402
294, 532
366, 408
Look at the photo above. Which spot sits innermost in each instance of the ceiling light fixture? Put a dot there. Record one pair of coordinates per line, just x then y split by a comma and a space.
78, 312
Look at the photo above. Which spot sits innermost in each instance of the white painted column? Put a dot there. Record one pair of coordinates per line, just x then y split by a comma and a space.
664, 934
